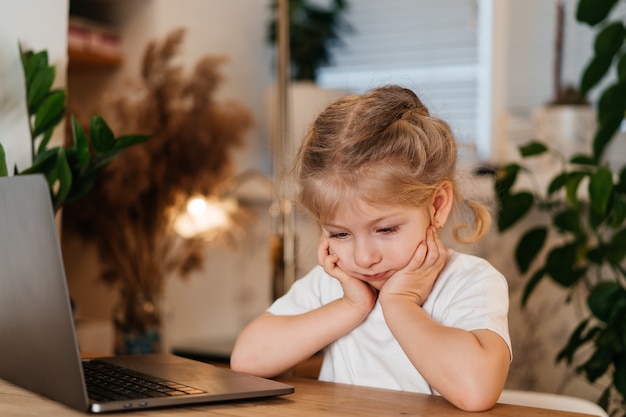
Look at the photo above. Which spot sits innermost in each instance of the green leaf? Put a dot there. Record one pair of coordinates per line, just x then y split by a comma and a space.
41, 159
505, 179
609, 40
3, 162
513, 208
126, 141
529, 246
600, 190
621, 69
582, 160
603, 136
531, 284
33, 63
81, 145
616, 249
50, 113
601, 299
595, 70
43, 145
557, 183
39, 87
619, 210
576, 340
598, 363
64, 175
102, 137
561, 265
568, 221
533, 148
571, 187
612, 103
611, 108
619, 375
596, 254
593, 12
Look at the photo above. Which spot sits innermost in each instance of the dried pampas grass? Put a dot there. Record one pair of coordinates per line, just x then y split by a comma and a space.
129, 214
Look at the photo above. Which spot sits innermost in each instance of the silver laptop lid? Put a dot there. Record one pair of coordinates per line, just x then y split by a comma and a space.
37, 336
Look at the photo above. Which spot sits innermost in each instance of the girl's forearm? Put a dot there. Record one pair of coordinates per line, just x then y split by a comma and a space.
467, 368
271, 344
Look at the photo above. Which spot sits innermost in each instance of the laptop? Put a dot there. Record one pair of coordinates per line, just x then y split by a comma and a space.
37, 336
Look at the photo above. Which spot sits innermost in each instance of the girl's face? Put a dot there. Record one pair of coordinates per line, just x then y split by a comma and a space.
373, 242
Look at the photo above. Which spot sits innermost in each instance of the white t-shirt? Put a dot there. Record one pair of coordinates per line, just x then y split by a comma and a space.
469, 294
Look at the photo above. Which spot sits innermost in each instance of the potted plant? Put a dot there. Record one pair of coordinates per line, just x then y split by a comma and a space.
582, 247
567, 120
70, 170
313, 30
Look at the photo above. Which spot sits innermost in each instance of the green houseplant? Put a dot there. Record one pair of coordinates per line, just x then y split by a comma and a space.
71, 171
582, 247
313, 29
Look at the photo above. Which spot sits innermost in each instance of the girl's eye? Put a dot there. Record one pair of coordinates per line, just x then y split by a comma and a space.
387, 230
338, 235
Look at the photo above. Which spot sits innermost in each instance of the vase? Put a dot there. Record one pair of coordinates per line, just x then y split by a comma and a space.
137, 323
567, 128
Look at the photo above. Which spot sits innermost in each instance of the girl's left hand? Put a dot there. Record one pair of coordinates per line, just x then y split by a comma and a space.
416, 280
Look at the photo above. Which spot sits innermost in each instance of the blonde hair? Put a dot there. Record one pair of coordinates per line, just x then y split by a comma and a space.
382, 147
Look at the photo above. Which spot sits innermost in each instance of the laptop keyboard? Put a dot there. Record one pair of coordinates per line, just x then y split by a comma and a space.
108, 382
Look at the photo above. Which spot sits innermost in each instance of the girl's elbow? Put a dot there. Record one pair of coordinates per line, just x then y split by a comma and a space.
243, 364
238, 365
475, 403
250, 365
475, 399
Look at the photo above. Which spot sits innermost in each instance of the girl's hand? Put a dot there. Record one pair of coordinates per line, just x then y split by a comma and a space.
356, 292
416, 280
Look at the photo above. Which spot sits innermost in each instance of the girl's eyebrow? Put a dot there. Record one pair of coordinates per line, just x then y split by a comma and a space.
370, 223
330, 225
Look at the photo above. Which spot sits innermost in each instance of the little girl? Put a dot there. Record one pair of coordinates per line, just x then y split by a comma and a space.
390, 306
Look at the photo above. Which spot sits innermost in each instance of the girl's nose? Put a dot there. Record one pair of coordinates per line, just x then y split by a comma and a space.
366, 254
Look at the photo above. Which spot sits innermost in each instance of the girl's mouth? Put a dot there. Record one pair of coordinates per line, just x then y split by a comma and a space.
377, 277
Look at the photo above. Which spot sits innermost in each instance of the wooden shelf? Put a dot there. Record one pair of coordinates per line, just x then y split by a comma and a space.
80, 59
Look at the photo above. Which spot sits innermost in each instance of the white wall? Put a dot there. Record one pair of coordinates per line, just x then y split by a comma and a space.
36, 25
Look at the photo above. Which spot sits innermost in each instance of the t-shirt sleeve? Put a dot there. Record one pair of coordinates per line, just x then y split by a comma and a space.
474, 297
305, 294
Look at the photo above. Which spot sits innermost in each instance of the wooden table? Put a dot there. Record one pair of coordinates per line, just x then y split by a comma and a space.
311, 398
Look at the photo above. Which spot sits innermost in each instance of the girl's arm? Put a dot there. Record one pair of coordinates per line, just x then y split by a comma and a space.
272, 344
467, 368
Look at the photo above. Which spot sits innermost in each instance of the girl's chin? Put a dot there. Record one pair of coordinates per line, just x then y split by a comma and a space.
377, 285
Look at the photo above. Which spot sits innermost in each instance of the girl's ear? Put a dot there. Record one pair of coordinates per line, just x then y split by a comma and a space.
441, 204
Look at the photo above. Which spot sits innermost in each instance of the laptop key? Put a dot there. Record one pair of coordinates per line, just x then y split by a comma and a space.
108, 382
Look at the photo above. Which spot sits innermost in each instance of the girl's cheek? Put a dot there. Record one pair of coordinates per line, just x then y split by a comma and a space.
333, 251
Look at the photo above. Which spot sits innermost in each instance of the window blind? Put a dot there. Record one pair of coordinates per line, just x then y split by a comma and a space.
432, 47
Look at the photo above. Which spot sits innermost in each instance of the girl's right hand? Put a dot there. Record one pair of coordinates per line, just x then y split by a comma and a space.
356, 292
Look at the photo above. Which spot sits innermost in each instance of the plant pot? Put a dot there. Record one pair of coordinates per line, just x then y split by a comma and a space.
568, 128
